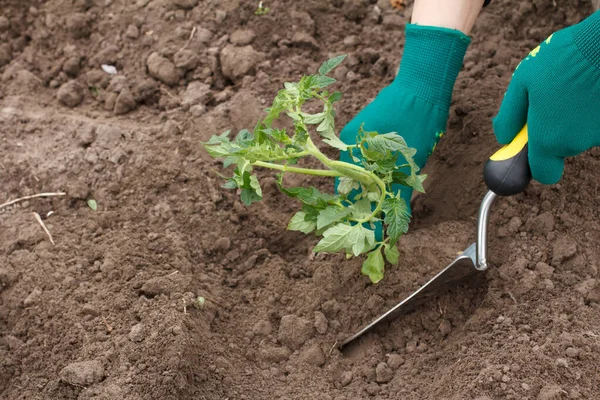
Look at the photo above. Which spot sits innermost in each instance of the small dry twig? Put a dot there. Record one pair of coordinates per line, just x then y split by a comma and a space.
39, 220
190, 39
331, 349
33, 196
108, 327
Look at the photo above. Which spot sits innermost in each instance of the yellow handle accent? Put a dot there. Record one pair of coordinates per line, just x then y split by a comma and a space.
513, 148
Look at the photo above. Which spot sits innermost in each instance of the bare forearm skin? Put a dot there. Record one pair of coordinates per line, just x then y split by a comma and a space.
452, 14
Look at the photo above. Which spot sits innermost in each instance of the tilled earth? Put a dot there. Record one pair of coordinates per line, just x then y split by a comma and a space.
109, 311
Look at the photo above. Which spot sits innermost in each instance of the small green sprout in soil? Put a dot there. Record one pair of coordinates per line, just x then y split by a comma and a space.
92, 204
260, 10
345, 220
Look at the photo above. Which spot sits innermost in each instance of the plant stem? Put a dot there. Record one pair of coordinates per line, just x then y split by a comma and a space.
305, 171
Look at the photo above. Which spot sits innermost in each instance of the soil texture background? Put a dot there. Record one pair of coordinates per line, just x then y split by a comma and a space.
108, 311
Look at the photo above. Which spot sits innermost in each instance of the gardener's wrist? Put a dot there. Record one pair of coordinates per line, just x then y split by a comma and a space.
586, 35
452, 14
432, 59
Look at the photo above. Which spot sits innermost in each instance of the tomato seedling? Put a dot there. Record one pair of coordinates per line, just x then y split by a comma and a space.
364, 197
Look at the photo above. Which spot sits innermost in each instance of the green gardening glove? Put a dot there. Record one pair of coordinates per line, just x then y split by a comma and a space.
416, 103
556, 91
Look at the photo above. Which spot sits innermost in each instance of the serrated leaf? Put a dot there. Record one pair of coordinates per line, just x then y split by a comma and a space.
334, 239
92, 204
299, 222
251, 191
322, 81
313, 119
216, 139
346, 185
414, 181
335, 96
386, 143
330, 64
396, 218
230, 184
244, 138
310, 196
362, 208
330, 215
361, 240
391, 254
373, 266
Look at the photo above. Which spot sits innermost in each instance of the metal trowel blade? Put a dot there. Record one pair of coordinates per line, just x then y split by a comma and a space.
458, 270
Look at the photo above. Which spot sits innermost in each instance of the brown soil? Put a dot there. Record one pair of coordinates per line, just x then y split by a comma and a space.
108, 312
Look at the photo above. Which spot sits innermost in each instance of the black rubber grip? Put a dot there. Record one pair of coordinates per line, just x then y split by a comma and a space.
509, 176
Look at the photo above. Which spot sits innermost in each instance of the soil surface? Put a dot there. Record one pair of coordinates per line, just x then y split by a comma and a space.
110, 310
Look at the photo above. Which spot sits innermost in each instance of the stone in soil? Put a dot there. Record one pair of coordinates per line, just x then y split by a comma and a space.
394, 361
346, 378
124, 102
242, 37
274, 354
564, 248
197, 93
237, 62
383, 373
262, 328
294, 331
320, 322
70, 94
312, 355
137, 333
83, 373
163, 69
186, 59
551, 392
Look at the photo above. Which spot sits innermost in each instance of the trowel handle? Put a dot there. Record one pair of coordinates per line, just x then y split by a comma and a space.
507, 171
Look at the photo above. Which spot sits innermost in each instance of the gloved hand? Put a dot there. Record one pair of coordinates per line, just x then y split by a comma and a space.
415, 105
556, 91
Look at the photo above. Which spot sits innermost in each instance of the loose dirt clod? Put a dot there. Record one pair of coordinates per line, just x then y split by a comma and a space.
294, 331
70, 94
83, 373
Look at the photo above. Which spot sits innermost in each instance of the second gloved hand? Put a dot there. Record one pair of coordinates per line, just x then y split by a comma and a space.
556, 91
416, 104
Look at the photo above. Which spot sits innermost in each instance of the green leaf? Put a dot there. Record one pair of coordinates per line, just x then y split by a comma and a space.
217, 139
330, 215
92, 204
346, 185
313, 119
322, 81
391, 254
396, 218
414, 181
361, 209
244, 138
334, 239
335, 96
386, 143
251, 191
361, 240
230, 184
373, 266
311, 195
330, 64
300, 223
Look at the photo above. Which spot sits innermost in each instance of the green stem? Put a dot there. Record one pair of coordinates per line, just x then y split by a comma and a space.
366, 178
288, 157
305, 171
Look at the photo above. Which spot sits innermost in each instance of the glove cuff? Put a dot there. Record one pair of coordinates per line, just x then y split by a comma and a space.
586, 35
432, 59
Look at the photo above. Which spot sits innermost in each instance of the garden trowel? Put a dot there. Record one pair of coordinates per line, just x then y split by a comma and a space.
506, 173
